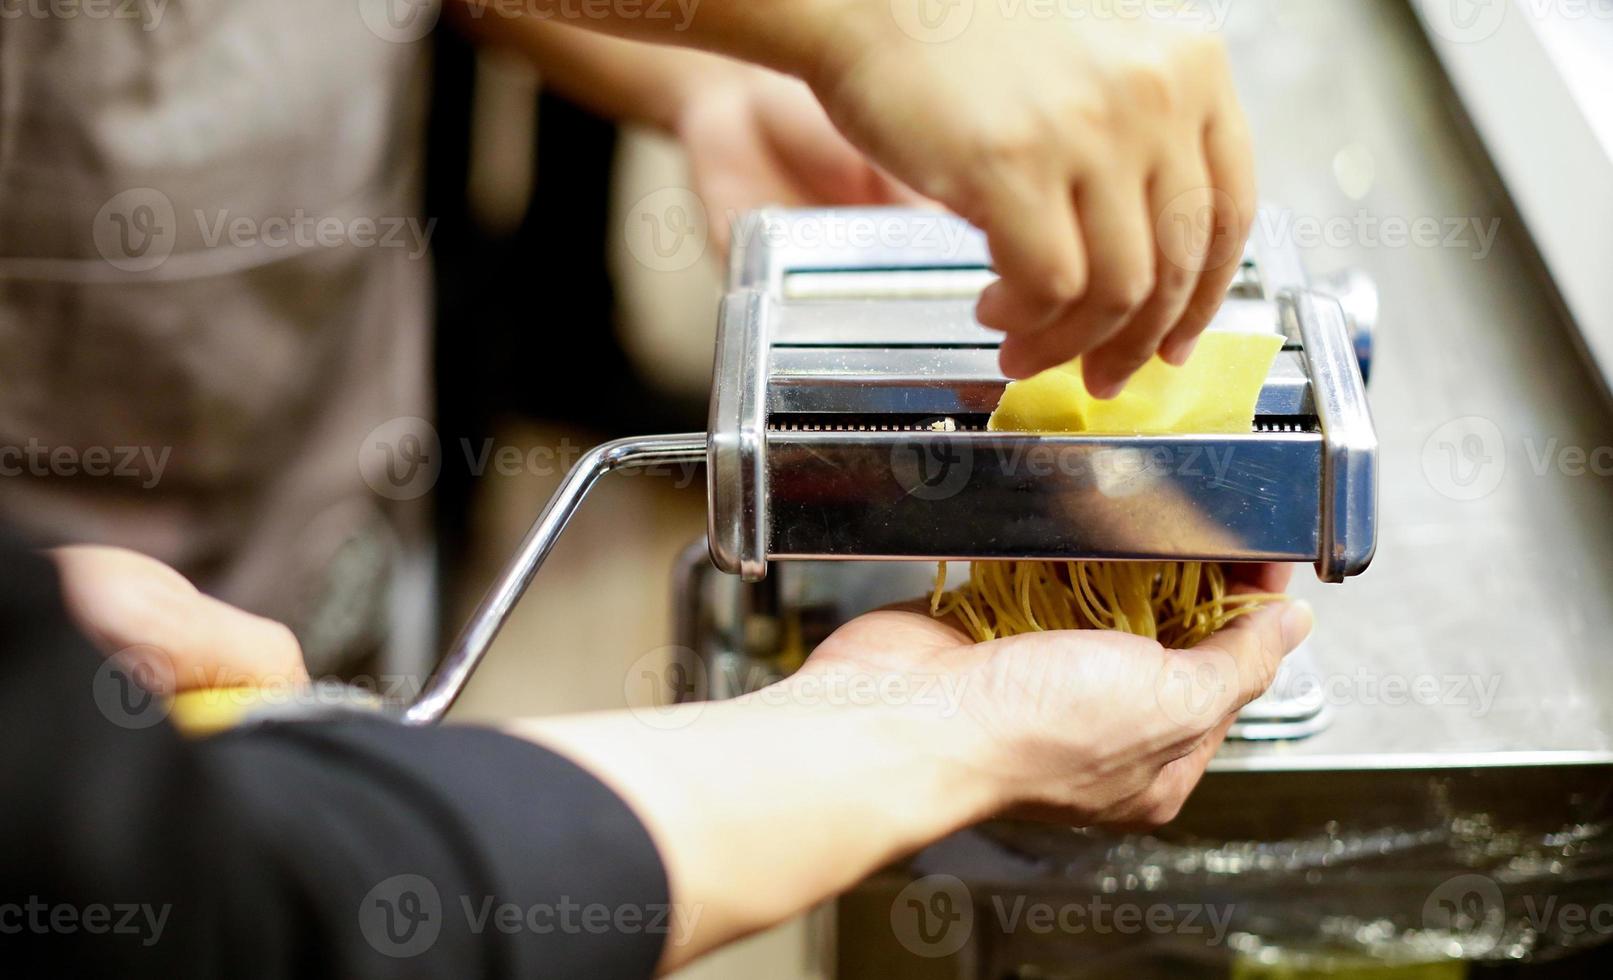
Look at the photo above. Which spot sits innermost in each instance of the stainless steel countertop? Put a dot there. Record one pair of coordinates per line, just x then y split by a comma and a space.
1480, 635
1511, 591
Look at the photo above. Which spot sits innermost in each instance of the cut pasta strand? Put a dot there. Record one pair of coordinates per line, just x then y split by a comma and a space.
1179, 604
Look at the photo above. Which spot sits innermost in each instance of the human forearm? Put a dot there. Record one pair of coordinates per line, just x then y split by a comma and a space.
764, 808
792, 36
898, 731
619, 79
1106, 159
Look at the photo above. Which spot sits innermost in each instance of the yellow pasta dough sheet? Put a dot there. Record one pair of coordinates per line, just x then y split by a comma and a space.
1214, 393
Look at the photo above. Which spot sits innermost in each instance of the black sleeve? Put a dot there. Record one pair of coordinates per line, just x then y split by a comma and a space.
348, 849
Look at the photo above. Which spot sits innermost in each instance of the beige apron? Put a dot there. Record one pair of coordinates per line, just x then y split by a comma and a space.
213, 289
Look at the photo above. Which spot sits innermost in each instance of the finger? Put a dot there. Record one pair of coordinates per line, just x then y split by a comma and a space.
1231, 166
720, 236
946, 630
1258, 576
1190, 767
908, 627
125, 601
889, 190
1180, 204
1120, 248
230, 647
1162, 800
1248, 651
1037, 249
718, 192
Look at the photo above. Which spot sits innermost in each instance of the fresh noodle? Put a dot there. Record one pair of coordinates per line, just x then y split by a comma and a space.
1179, 604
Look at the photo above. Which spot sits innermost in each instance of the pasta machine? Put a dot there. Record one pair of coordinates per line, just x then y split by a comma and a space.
851, 390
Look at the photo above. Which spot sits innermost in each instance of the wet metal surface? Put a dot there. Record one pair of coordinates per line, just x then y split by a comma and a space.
1484, 624
1469, 670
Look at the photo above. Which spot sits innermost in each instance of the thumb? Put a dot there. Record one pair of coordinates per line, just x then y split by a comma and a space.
123, 600
1252, 648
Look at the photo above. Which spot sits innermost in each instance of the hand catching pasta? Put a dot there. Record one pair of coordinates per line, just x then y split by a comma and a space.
1086, 726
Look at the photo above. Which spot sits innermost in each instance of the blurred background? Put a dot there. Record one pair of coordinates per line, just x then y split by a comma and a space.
549, 332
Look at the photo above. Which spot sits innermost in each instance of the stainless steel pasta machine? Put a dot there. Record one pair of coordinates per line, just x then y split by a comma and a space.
851, 389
